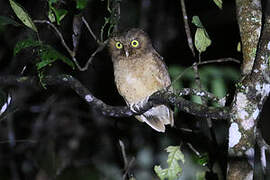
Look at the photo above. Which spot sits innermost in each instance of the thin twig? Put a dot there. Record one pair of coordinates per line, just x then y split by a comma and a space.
261, 142
263, 148
203, 63
197, 77
127, 165
118, 12
90, 30
194, 150
99, 48
77, 29
58, 33
186, 130
71, 53
123, 151
187, 29
191, 46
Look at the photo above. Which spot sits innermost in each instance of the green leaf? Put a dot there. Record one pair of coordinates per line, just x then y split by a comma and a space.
174, 154
174, 170
60, 14
22, 15
218, 3
55, 14
161, 173
81, 4
48, 55
239, 47
6, 21
202, 40
51, 15
197, 22
25, 44
201, 160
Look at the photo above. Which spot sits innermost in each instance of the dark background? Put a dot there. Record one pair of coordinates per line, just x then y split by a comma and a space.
58, 135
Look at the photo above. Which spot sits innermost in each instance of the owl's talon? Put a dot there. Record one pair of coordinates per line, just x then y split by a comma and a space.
145, 100
135, 108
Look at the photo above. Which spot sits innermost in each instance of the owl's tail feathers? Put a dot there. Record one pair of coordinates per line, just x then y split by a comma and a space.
152, 121
157, 117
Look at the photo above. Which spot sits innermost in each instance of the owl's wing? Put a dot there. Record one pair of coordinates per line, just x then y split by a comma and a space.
162, 75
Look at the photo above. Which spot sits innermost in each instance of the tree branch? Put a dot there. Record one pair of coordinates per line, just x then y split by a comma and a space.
252, 92
249, 17
101, 45
187, 29
160, 97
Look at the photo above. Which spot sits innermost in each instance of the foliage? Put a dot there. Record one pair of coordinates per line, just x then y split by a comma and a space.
201, 160
54, 13
47, 55
22, 15
218, 3
111, 21
174, 170
25, 44
81, 4
202, 40
57, 14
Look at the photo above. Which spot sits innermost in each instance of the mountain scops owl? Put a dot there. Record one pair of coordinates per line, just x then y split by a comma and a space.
139, 71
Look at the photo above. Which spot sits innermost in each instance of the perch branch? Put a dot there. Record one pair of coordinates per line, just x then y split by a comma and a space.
159, 97
197, 92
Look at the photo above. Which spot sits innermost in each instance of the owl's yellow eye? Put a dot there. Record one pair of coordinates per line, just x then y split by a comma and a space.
118, 45
134, 43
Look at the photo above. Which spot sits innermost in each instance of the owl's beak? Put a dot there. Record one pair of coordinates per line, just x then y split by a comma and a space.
127, 53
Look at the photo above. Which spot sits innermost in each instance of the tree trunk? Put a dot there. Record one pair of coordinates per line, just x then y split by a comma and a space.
251, 92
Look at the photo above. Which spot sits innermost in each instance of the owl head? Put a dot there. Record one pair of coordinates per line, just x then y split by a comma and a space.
131, 44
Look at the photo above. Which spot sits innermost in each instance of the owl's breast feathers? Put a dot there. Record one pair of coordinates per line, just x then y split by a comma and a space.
137, 78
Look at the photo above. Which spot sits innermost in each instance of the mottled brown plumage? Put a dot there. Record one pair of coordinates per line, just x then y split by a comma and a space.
140, 71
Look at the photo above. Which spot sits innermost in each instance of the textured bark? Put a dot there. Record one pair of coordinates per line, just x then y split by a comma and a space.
160, 97
249, 17
250, 96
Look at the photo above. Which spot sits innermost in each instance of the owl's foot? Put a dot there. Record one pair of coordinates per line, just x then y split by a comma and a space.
137, 107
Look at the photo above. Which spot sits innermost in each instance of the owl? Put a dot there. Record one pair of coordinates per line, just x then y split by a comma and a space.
139, 71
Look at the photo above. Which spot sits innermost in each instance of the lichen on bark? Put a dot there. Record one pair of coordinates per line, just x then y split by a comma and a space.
249, 16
